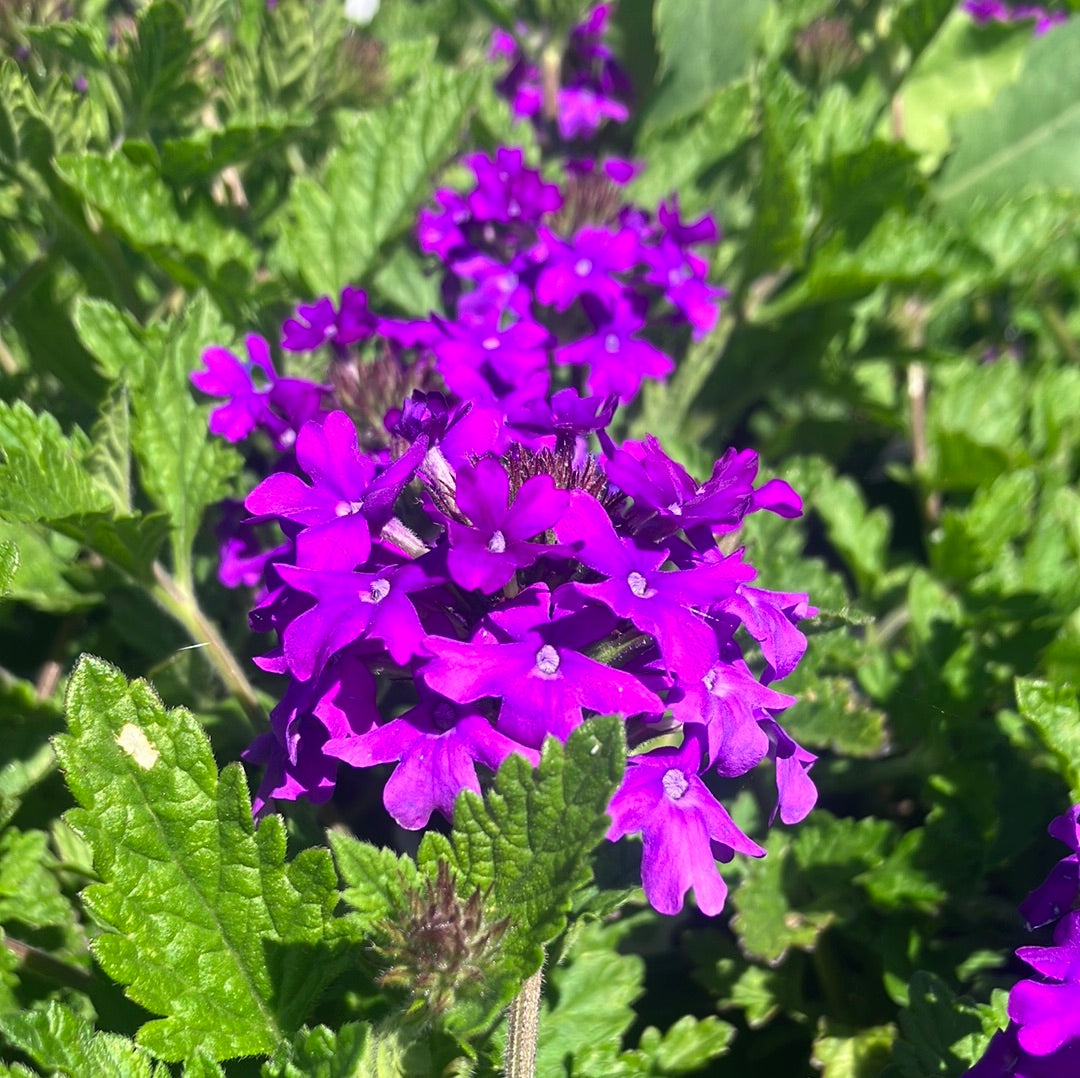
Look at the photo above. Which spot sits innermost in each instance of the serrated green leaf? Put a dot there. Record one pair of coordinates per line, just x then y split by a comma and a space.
29, 890
686, 1046
47, 480
390, 1050
860, 1054
594, 989
941, 1036
375, 878
48, 570
210, 927
774, 240
9, 566
334, 230
703, 44
529, 841
140, 208
805, 883
899, 249
1029, 135
113, 338
181, 466
1054, 712
109, 461
679, 153
61, 1041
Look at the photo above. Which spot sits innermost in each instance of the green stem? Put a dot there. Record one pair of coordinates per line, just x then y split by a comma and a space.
48, 968
181, 603
523, 1028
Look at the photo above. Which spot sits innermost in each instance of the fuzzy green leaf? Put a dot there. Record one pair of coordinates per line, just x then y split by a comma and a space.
529, 841
136, 203
210, 927
375, 879
854, 1055
61, 1041
334, 230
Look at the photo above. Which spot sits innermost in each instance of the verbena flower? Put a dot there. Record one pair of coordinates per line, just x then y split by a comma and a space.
507, 595
589, 90
1042, 1039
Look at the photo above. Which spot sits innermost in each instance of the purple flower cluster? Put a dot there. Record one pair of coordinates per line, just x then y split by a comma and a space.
1042, 1039
996, 11
586, 89
544, 279
490, 587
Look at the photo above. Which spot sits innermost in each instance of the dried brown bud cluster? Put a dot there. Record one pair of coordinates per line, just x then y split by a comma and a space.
438, 945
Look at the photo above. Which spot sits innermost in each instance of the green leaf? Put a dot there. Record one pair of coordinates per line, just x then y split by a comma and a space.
29, 890
48, 478
962, 70
136, 204
685, 1047
774, 240
1054, 712
594, 989
376, 879
976, 417
109, 461
861, 1054
182, 466
805, 883
48, 571
1029, 135
942, 1036
334, 231
9, 566
390, 1050
61, 1041
703, 44
209, 926
679, 153
529, 841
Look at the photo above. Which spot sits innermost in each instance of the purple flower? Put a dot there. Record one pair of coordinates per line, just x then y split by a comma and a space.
539, 674
684, 829
995, 11
617, 360
664, 604
437, 745
350, 607
1042, 1039
257, 397
319, 323
486, 552
586, 265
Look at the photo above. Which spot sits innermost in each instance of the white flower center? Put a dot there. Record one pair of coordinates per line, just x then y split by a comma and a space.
379, 590
675, 783
611, 343
583, 267
547, 660
490, 343
638, 584
497, 543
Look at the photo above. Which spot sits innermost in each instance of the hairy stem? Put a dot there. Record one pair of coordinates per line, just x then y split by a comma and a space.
182, 605
523, 1028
